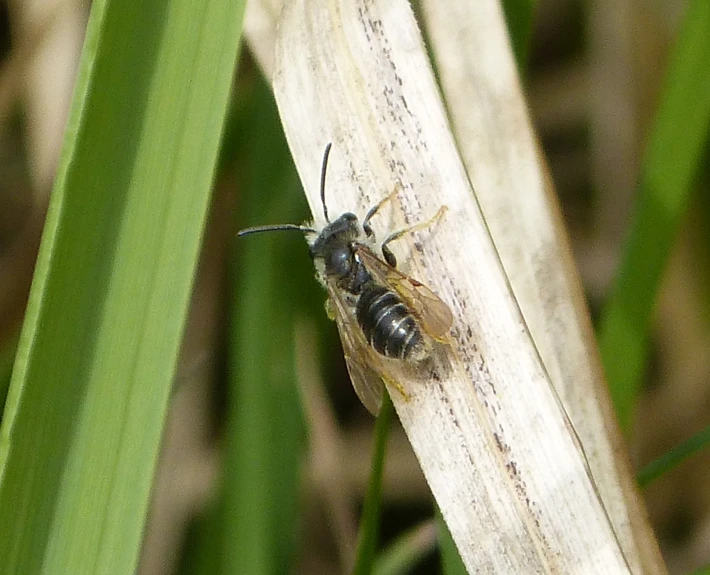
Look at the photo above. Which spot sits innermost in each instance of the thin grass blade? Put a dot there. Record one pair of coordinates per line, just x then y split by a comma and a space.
675, 149
674, 457
370, 521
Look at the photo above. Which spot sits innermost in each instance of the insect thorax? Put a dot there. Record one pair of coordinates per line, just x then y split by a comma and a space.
334, 253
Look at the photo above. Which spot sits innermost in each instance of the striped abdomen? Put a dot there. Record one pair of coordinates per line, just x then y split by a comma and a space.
387, 324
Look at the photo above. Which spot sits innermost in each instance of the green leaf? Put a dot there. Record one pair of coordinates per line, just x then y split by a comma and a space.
675, 149
674, 457
265, 428
450, 559
7, 358
203, 544
519, 18
402, 555
369, 533
84, 415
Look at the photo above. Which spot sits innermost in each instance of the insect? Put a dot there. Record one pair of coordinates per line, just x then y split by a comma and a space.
387, 320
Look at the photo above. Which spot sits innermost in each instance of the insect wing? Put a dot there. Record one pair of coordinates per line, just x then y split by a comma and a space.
359, 356
434, 315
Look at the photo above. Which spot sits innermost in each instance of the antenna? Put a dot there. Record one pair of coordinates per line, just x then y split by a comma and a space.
323, 170
292, 227
276, 228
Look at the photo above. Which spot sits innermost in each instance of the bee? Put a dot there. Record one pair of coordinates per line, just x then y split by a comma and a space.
387, 320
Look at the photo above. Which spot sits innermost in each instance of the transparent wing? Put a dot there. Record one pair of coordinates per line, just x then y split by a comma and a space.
359, 356
433, 315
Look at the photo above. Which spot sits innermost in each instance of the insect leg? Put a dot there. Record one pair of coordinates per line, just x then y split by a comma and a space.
374, 209
387, 253
398, 386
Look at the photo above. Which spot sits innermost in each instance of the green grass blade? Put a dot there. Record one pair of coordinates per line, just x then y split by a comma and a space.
369, 533
84, 414
407, 550
519, 18
675, 149
265, 429
674, 457
203, 550
450, 559
7, 358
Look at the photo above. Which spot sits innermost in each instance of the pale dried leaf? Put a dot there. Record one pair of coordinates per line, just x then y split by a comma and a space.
492, 439
501, 155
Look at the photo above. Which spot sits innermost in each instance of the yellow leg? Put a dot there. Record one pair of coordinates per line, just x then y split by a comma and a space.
387, 253
374, 209
398, 386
